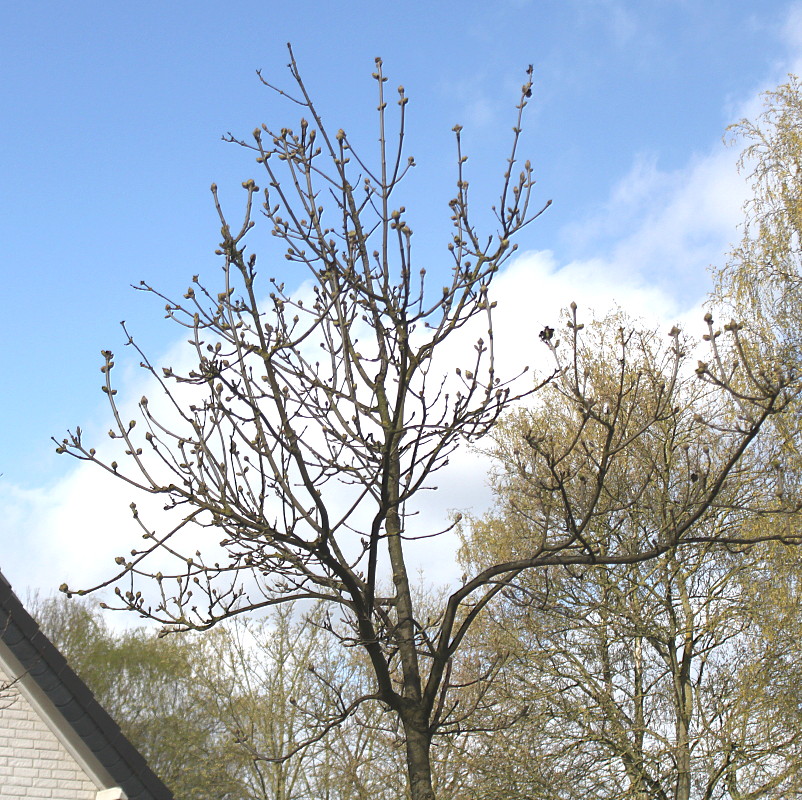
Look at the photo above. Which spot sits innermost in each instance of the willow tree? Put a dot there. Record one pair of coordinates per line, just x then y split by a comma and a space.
762, 280
296, 447
761, 283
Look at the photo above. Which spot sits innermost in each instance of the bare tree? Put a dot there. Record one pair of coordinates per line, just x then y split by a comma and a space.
310, 425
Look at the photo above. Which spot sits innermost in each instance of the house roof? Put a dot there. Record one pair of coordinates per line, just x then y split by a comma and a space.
72, 699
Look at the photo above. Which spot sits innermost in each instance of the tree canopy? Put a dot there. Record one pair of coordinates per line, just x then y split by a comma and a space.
294, 449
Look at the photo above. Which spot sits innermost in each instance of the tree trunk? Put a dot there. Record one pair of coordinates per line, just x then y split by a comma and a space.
419, 765
685, 698
684, 692
683, 791
640, 720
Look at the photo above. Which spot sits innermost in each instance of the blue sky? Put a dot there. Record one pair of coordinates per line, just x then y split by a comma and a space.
110, 122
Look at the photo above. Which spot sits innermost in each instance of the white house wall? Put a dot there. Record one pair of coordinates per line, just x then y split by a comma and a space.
34, 765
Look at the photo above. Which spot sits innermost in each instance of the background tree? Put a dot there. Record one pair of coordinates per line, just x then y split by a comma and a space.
642, 683
651, 672
299, 441
149, 686
216, 712
274, 683
766, 695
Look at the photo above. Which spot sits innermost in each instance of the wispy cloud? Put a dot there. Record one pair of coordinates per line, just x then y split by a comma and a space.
668, 227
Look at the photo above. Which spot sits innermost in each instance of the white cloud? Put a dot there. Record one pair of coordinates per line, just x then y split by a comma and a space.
532, 293
76, 528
